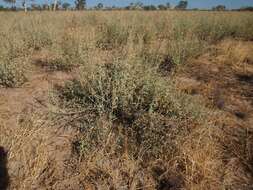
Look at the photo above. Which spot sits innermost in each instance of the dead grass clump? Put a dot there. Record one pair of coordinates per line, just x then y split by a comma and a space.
37, 156
112, 35
37, 39
38, 35
182, 49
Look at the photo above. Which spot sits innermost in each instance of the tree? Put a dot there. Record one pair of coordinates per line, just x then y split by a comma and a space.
168, 5
33, 6
80, 4
45, 7
12, 2
2, 8
55, 5
136, 6
65, 5
182, 5
152, 7
99, 6
149, 7
219, 8
24, 4
246, 9
162, 7
36, 7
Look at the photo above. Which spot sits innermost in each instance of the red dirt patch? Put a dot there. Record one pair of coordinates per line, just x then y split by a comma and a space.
36, 156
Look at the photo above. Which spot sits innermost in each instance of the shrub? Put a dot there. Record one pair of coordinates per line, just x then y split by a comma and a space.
114, 88
11, 74
133, 99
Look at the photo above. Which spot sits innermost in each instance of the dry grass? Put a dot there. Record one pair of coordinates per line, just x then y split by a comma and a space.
122, 123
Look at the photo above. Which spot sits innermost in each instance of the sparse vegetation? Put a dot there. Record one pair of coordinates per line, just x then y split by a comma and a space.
11, 74
128, 122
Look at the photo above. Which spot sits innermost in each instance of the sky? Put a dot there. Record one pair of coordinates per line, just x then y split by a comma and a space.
192, 3
204, 4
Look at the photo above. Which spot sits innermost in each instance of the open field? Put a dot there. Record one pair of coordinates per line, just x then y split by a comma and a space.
126, 100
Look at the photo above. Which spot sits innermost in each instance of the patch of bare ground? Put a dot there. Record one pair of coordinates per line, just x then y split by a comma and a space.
224, 78
35, 151
14, 100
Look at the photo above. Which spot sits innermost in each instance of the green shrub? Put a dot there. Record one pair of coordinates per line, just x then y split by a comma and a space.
124, 91
114, 88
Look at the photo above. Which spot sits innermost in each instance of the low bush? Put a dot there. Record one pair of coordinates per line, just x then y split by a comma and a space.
133, 99
11, 74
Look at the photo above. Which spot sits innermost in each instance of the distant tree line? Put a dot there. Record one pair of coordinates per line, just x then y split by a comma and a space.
219, 8
56, 5
81, 5
245, 9
223, 8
